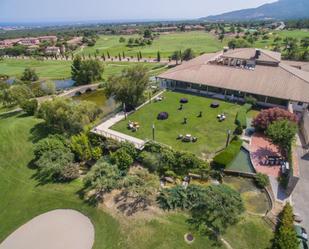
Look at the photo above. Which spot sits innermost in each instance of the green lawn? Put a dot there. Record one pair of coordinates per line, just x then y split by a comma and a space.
62, 69
250, 233
199, 41
22, 198
210, 132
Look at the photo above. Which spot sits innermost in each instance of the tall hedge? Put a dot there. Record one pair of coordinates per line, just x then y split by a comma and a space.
241, 117
224, 158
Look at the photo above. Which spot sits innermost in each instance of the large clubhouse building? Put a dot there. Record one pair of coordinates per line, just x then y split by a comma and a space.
237, 73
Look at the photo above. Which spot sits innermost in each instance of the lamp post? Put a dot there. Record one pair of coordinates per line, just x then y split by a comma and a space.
124, 110
228, 138
153, 132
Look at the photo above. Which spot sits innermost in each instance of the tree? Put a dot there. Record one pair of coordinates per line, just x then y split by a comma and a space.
147, 33
103, 178
238, 43
19, 93
142, 186
56, 165
305, 43
158, 56
76, 67
176, 56
282, 133
188, 54
29, 106
81, 147
291, 47
122, 39
87, 71
29, 75
269, 116
122, 159
49, 87
217, 208
66, 115
285, 236
221, 37
129, 87
52, 142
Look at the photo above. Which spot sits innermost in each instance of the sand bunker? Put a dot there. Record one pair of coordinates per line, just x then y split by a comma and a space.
58, 229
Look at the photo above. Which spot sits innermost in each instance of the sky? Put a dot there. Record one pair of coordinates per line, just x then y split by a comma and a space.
86, 10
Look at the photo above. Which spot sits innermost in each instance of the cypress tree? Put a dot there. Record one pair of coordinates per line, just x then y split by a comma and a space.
285, 237
158, 56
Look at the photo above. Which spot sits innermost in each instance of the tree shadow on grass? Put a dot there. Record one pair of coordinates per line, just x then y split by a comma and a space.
10, 114
39, 131
128, 205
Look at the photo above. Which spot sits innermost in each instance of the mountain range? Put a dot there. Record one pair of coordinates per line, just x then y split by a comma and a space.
279, 10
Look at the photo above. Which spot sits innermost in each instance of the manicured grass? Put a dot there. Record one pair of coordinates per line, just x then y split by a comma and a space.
45, 69
62, 69
210, 132
250, 233
22, 198
199, 41
255, 200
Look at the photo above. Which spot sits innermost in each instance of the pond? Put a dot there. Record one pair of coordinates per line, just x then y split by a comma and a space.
256, 200
242, 162
63, 84
98, 97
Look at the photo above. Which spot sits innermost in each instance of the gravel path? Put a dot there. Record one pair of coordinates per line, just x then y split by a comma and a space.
58, 229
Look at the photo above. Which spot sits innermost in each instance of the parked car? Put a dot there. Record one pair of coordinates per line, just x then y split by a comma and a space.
301, 232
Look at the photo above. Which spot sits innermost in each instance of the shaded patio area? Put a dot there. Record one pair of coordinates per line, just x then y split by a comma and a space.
261, 148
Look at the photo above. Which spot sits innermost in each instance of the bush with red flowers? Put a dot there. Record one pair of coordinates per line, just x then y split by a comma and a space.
269, 116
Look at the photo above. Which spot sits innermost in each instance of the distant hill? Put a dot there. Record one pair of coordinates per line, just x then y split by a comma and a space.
282, 9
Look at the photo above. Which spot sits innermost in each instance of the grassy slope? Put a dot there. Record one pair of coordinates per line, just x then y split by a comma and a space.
211, 133
250, 233
62, 69
166, 44
22, 199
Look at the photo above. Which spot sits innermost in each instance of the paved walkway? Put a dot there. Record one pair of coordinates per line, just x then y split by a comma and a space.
103, 129
58, 229
261, 147
300, 195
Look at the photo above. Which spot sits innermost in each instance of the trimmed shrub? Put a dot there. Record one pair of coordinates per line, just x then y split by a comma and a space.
251, 100
162, 116
224, 158
238, 130
241, 117
184, 101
